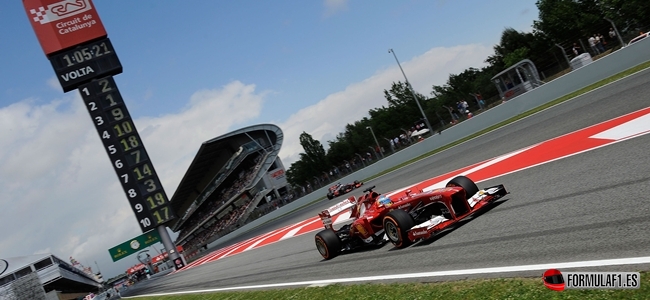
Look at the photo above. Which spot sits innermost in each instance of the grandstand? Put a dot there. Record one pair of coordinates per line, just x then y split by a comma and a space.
45, 276
230, 179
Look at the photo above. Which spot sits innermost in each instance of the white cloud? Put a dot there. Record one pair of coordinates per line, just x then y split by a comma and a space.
60, 193
326, 119
54, 83
333, 7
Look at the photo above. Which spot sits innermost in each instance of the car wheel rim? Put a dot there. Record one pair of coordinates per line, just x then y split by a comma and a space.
321, 247
391, 231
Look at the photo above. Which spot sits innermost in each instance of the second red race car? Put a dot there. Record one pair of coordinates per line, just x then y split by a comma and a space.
402, 217
340, 189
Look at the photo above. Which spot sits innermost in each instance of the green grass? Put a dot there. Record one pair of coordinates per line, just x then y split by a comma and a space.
520, 116
518, 288
512, 288
557, 101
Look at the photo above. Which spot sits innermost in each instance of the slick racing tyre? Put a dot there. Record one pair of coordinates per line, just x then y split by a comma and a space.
397, 223
467, 184
330, 196
328, 244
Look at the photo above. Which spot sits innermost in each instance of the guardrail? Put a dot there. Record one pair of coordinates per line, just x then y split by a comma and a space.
600, 69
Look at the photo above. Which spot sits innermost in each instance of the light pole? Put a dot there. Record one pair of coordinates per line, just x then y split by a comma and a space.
374, 137
411, 89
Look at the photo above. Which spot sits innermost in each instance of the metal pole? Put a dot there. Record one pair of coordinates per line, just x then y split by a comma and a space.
374, 137
179, 262
477, 101
411, 89
440, 119
620, 39
373, 151
564, 53
361, 158
392, 148
450, 113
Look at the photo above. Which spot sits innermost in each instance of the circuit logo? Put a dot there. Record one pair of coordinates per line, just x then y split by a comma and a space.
554, 280
59, 10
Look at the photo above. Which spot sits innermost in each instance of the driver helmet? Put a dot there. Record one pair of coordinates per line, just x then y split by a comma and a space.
384, 201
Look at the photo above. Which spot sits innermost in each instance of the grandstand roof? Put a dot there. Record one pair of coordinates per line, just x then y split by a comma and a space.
211, 158
53, 272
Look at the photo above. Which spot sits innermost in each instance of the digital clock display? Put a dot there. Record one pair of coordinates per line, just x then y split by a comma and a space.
84, 63
83, 54
126, 151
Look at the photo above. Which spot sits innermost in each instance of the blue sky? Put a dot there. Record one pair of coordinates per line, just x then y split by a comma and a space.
194, 70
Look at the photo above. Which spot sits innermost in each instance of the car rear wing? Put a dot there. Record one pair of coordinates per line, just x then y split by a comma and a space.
326, 215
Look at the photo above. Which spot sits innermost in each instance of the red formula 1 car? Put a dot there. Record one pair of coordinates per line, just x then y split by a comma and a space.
340, 189
403, 217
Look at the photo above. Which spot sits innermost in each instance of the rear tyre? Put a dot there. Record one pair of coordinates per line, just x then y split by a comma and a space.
397, 223
467, 184
328, 244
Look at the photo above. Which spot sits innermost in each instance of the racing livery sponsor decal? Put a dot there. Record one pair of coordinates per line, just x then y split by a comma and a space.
419, 231
361, 230
341, 206
619, 129
403, 206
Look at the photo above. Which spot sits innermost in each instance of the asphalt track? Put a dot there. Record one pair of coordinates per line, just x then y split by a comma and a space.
589, 206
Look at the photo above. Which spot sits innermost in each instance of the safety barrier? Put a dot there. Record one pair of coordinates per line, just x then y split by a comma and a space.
600, 69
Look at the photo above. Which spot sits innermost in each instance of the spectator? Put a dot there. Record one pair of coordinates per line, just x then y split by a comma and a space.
576, 49
592, 44
481, 103
600, 43
612, 35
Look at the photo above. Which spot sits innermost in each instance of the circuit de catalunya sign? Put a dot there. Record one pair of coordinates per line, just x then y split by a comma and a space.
61, 24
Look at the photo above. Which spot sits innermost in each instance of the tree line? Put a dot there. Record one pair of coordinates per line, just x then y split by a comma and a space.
561, 23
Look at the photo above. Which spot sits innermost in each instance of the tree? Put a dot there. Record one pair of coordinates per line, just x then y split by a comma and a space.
560, 22
339, 150
565, 21
298, 173
311, 163
314, 154
628, 15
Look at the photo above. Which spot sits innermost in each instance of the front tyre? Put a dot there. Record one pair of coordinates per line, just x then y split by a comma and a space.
467, 184
397, 223
328, 244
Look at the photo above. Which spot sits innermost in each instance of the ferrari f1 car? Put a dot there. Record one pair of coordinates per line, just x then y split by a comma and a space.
402, 217
340, 189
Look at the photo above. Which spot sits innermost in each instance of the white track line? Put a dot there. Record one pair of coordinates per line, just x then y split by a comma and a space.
564, 265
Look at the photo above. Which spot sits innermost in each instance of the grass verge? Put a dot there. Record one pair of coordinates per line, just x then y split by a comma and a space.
517, 288
520, 116
557, 101
510, 288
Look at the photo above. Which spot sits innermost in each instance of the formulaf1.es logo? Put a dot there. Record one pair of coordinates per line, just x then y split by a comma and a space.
59, 10
553, 280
